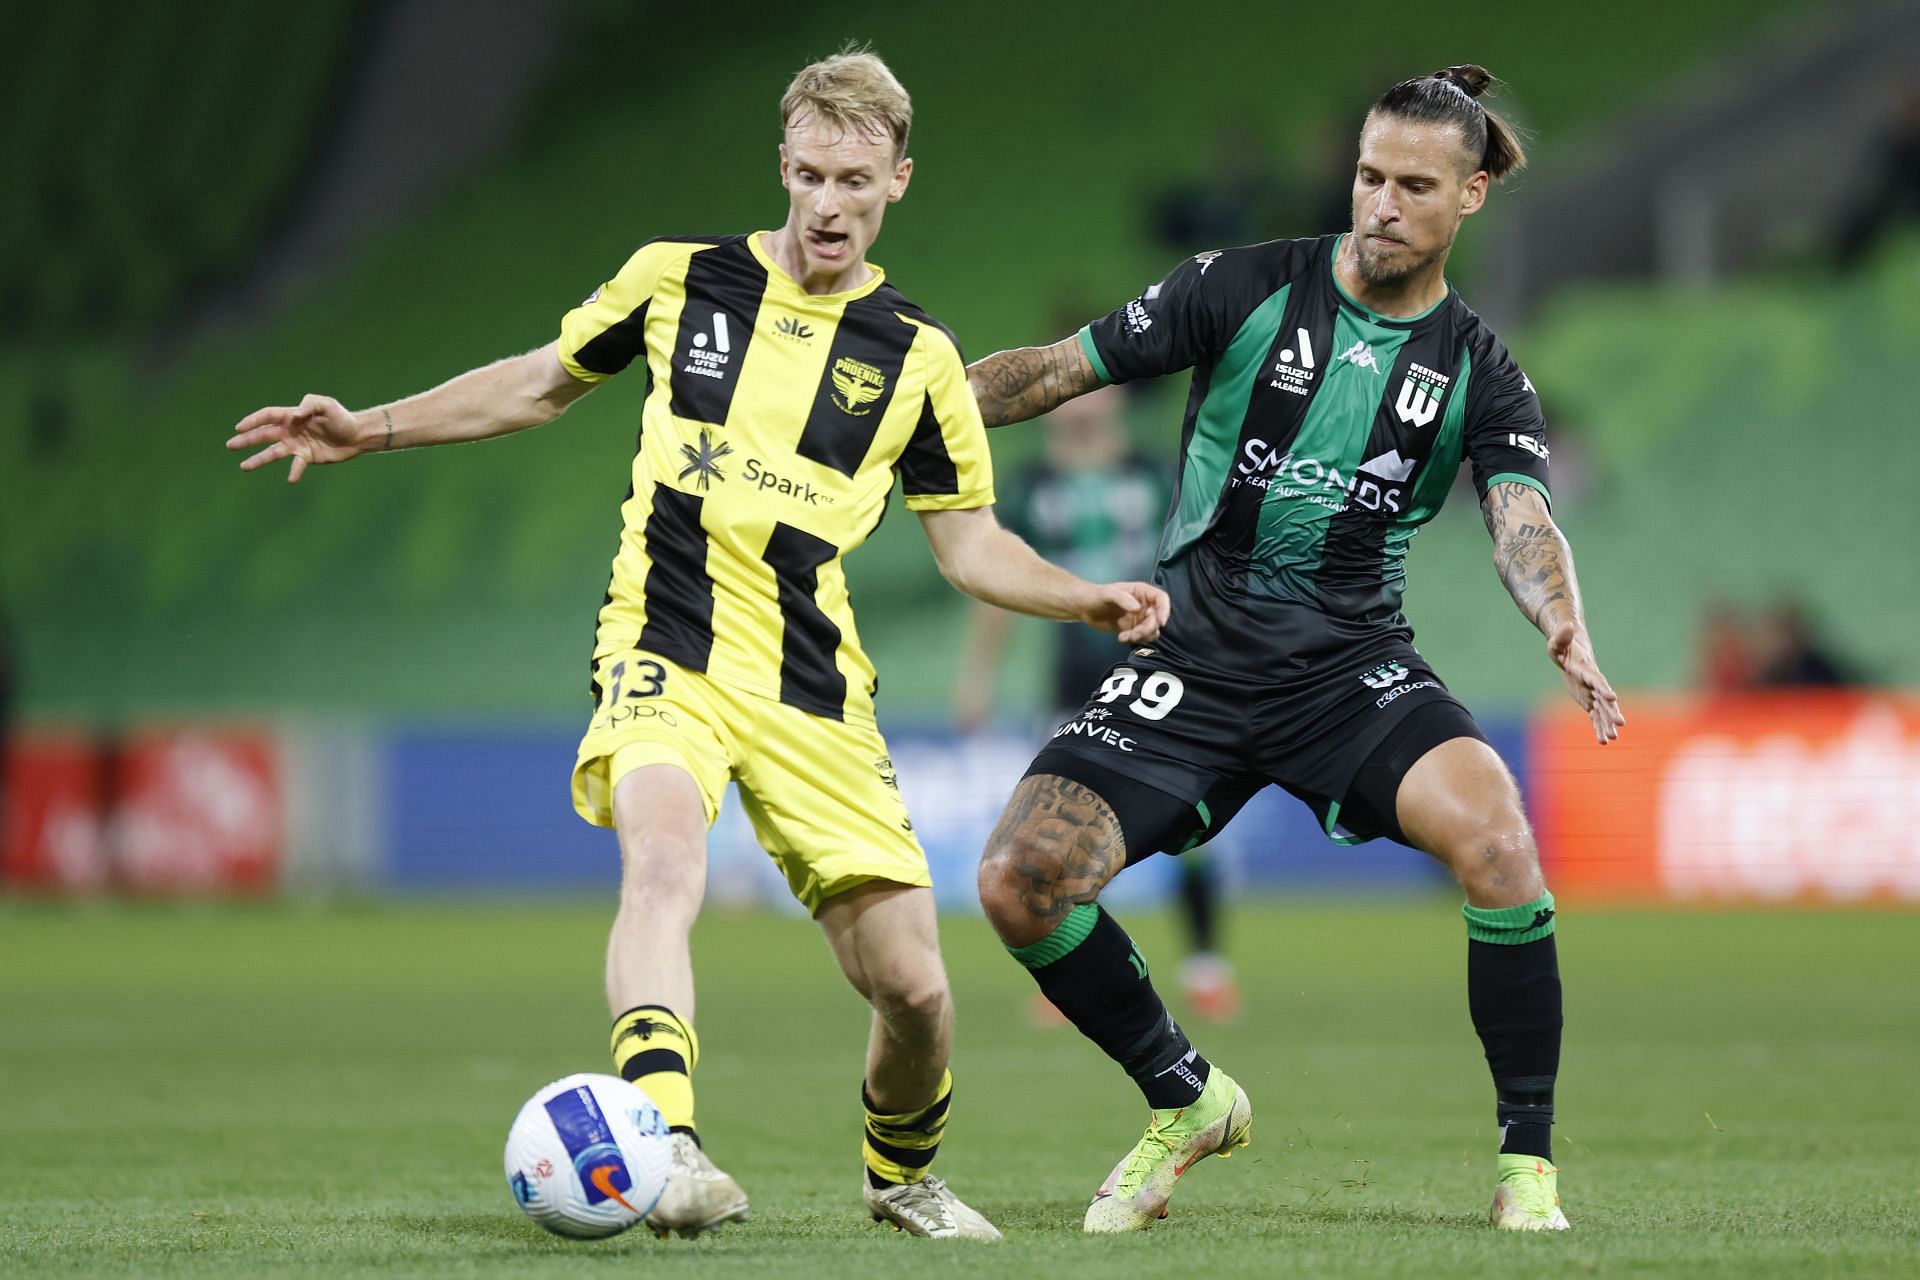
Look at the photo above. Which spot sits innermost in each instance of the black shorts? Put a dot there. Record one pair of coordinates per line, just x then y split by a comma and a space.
1339, 734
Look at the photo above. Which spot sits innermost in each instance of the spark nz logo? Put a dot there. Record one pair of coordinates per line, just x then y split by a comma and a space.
703, 463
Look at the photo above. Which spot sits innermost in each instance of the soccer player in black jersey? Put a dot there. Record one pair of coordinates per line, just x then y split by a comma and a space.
1338, 384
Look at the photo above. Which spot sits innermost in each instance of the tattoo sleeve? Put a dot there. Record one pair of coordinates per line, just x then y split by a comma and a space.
1531, 556
1013, 386
1060, 842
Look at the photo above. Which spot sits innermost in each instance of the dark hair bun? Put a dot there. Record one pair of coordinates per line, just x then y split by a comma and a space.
1471, 78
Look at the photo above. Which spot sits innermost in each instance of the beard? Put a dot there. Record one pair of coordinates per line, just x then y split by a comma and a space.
1382, 273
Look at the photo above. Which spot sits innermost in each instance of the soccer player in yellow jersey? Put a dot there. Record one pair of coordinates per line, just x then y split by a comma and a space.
787, 384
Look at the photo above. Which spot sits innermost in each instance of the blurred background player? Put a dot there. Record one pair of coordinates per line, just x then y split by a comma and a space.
1339, 384
1094, 505
785, 382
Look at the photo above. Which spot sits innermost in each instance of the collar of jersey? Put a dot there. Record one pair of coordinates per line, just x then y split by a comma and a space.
1398, 322
778, 274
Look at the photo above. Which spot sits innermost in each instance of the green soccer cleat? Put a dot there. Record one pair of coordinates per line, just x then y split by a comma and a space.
1528, 1196
1135, 1194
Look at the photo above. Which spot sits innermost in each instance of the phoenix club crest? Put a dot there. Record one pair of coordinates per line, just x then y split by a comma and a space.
856, 385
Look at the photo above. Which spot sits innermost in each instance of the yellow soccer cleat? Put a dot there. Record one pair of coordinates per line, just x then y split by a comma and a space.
1528, 1196
1135, 1194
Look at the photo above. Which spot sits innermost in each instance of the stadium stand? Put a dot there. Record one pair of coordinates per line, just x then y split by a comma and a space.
157, 578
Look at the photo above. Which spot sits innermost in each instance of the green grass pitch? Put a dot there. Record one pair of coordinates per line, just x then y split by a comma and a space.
239, 1092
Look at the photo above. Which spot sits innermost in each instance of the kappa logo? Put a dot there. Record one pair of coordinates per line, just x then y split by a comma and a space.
703, 463
793, 327
856, 385
1420, 394
1384, 677
1359, 354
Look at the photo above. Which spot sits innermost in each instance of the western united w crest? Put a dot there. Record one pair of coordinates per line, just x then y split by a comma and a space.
856, 385
1420, 394
1384, 677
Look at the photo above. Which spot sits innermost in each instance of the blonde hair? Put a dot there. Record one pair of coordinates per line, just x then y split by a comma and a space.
854, 90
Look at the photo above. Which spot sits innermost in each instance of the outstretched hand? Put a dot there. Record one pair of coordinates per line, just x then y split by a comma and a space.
1135, 611
314, 432
1572, 652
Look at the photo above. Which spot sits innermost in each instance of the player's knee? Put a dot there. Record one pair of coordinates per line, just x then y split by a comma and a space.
1009, 869
1496, 861
920, 1003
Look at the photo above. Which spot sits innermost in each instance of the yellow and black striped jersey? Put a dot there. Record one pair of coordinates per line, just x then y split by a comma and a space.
773, 425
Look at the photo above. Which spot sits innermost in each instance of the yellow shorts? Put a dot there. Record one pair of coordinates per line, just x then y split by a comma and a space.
821, 793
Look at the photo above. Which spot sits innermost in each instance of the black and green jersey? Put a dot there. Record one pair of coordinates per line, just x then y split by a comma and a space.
1319, 436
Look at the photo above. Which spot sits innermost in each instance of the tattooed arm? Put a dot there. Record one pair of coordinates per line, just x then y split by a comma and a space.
1013, 386
1536, 564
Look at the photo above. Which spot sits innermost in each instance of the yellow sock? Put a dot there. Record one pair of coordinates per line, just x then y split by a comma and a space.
654, 1049
900, 1148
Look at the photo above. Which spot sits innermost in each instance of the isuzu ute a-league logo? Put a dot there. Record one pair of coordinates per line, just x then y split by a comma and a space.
1384, 677
1295, 369
710, 354
856, 385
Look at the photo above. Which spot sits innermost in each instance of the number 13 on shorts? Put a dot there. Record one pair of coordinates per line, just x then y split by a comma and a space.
1160, 692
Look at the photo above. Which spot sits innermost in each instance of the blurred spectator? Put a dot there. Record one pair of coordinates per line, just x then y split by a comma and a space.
1726, 660
1789, 655
1245, 197
1891, 192
9, 683
1773, 648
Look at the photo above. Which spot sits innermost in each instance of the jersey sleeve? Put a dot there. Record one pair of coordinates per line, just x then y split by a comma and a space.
1506, 434
946, 465
1173, 325
602, 335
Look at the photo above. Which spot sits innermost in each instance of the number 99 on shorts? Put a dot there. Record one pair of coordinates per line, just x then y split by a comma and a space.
1158, 694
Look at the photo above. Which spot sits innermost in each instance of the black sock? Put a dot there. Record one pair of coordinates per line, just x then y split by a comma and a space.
1094, 975
1513, 992
1199, 901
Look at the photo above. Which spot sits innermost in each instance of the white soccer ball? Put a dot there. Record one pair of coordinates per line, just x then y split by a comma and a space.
588, 1156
